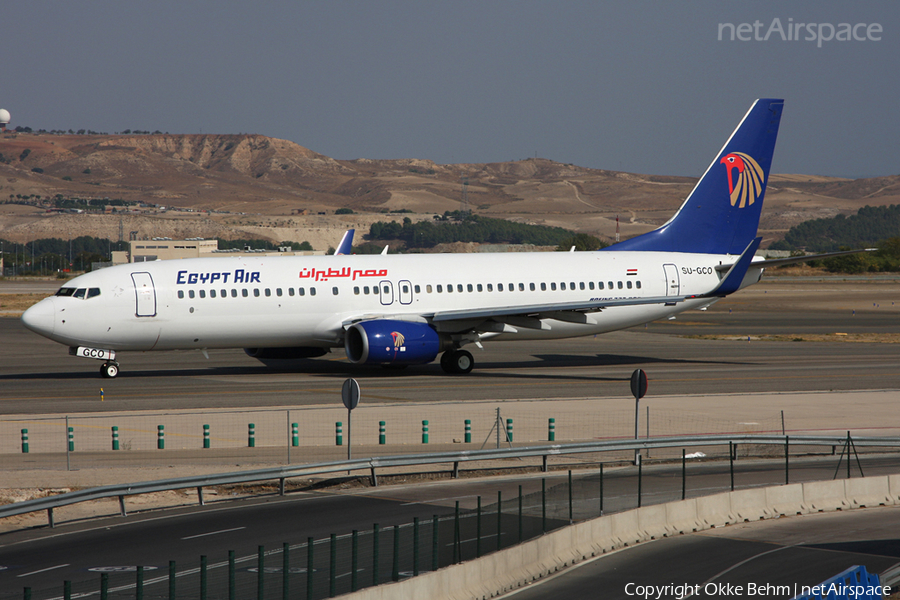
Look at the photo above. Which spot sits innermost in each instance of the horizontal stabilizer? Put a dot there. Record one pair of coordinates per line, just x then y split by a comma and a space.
735, 275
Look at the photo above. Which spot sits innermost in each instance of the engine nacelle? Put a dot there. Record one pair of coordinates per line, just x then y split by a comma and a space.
387, 342
286, 353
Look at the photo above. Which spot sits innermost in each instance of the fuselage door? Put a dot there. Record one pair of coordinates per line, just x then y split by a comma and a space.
386, 289
145, 295
405, 289
673, 283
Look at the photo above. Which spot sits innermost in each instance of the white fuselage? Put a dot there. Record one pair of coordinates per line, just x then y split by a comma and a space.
240, 302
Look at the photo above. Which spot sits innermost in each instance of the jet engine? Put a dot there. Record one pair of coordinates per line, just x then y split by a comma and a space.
387, 342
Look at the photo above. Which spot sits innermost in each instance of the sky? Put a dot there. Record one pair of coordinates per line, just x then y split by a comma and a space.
639, 86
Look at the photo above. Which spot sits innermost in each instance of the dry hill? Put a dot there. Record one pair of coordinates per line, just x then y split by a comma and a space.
252, 185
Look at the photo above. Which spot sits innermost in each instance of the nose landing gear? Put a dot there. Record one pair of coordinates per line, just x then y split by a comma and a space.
109, 369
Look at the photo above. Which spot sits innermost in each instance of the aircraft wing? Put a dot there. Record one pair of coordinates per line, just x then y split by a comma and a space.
576, 312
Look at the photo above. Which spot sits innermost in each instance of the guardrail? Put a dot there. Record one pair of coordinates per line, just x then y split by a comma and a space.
371, 464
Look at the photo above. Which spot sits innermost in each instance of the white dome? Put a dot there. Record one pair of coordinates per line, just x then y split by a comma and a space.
4, 115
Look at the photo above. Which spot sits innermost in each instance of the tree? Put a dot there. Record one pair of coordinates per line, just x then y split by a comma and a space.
582, 242
344, 211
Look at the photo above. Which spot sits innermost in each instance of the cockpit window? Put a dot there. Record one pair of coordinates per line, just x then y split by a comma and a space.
64, 291
93, 292
79, 293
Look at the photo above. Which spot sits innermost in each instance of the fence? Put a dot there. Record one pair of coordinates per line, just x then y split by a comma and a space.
308, 434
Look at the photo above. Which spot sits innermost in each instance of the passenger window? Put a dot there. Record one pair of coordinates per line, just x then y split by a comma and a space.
312, 291
417, 289
450, 288
291, 291
79, 293
223, 293
543, 287
620, 285
203, 293
190, 293
233, 293
212, 293
459, 287
302, 291
490, 287
385, 290
531, 286
278, 291
521, 287
628, 284
334, 291
562, 285
499, 287
580, 285
591, 284
638, 284
553, 286
611, 286
469, 287
244, 292
572, 285
440, 289
428, 288
479, 288
181, 293
356, 290
256, 292
268, 292
512, 287
404, 289
599, 285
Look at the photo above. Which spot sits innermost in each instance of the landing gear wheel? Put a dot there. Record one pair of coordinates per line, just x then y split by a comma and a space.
458, 362
109, 370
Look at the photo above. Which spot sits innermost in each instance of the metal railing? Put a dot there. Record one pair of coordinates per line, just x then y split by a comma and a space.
372, 464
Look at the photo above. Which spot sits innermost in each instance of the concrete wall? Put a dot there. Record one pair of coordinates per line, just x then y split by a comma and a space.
514, 567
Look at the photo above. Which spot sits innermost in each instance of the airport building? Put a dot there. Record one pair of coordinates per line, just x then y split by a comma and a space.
169, 249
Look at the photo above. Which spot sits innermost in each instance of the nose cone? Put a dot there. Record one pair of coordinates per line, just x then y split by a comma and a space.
40, 317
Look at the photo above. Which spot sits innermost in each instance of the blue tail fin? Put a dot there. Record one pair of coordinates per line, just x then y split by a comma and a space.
721, 214
346, 245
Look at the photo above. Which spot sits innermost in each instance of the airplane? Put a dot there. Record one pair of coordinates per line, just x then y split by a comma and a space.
400, 310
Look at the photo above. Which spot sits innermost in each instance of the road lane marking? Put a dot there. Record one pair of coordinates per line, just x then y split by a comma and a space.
199, 535
43, 570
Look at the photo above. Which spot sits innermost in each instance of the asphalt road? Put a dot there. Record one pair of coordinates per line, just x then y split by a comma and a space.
44, 558
739, 561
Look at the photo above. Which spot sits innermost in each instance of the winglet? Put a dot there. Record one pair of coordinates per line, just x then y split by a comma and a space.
735, 275
346, 245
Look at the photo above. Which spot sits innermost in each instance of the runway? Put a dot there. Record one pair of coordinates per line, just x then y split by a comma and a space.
38, 376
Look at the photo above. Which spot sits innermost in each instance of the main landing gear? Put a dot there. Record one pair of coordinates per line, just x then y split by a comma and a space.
457, 362
109, 369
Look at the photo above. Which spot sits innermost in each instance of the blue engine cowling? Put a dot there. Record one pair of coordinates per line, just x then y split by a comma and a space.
387, 342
